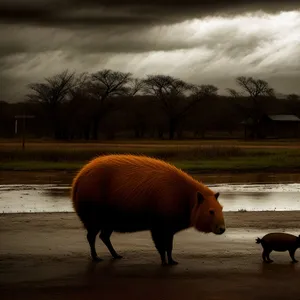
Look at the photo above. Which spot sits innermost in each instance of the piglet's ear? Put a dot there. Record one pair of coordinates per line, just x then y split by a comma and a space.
217, 195
200, 198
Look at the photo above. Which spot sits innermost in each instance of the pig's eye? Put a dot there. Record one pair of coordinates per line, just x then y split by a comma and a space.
211, 212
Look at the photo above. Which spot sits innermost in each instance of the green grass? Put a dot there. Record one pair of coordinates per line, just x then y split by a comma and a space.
279, 162
82, 154
40, 166
209, 157
233, 165
272, 163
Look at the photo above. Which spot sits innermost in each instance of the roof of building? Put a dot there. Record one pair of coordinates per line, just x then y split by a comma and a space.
280, 118
284, 118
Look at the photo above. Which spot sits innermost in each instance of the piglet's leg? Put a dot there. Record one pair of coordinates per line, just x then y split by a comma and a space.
292, 255
266, 254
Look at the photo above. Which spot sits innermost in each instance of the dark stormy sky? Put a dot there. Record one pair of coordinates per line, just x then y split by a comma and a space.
198, 41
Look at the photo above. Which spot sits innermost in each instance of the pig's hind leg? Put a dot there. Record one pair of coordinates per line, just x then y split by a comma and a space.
105, 237
292, 255
91, 237
266, 255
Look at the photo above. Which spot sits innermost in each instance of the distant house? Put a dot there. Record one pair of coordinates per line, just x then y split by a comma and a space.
275, 126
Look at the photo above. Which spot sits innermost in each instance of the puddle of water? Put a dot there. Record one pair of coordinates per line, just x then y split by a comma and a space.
35, 198
248, 178
234, 197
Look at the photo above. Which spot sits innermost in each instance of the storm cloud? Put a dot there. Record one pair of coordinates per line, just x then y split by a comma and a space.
88, 13
201, 42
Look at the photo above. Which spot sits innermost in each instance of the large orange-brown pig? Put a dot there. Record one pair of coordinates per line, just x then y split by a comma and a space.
129, 193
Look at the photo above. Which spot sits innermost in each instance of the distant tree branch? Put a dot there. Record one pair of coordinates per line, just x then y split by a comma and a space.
54, 91
108, 83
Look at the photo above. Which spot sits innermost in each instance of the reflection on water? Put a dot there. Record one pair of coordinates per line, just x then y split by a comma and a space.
280, 268
249, 178
234, 197
252, 201
35, 198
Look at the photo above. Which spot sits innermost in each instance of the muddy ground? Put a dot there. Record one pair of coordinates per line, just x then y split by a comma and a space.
45, 256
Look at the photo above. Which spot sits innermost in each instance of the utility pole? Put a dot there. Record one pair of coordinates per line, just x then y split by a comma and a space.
23, 118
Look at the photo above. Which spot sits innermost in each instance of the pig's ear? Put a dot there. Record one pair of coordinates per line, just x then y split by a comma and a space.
217, 195
200, 198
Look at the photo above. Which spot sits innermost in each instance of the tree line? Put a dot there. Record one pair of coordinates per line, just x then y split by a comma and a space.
110, 104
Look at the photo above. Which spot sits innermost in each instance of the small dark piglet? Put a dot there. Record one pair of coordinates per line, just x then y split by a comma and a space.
279, 241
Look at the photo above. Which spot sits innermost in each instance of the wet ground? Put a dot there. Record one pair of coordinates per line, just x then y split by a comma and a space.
45, 256
56, 197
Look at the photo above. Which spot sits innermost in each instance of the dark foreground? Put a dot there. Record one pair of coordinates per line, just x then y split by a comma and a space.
45, 256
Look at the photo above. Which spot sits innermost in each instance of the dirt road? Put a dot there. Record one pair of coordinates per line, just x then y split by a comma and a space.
45, 256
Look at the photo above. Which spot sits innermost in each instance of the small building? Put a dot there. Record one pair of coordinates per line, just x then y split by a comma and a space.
274, 126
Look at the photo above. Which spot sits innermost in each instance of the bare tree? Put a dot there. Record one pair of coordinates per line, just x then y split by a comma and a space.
82, 106
109, 83
200, 96
175, 97
255, 90
254, 87
103, 86
135, 86
52, 94
54, 90
169, 93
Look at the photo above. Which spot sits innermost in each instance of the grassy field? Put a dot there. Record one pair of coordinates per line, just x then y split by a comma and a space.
194, 156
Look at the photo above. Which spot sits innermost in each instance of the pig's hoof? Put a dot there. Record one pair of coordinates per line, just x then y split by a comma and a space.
97, 259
